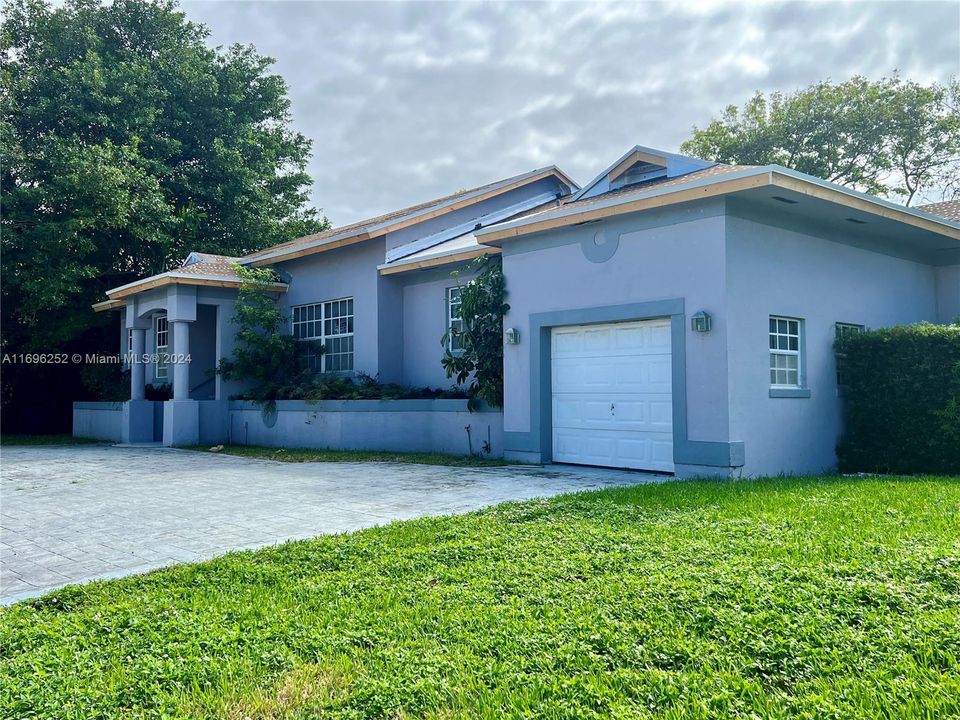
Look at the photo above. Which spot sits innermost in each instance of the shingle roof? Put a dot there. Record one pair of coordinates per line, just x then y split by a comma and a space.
950, 209
209, 265
397, 215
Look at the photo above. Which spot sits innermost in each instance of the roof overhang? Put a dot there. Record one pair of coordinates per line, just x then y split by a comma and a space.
736, 182
437, 260
109, 305
307, 246
118, 294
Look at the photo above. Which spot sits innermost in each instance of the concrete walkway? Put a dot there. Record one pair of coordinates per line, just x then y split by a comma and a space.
77, 513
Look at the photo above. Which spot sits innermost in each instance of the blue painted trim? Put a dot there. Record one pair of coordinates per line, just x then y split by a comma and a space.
789, 392
539, 438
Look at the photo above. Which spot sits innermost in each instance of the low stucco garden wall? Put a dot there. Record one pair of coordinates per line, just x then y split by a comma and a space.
98, 420
443, 426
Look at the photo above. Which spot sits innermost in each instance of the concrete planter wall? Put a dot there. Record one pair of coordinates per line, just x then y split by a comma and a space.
443, 426
98, 420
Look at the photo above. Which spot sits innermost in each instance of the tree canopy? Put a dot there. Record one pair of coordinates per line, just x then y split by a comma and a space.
128, 142
892, 137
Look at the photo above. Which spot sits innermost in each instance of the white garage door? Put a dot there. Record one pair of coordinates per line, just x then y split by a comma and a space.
612, 402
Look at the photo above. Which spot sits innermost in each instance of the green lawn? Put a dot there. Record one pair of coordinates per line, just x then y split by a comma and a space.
814, 598
45, 440
305, 455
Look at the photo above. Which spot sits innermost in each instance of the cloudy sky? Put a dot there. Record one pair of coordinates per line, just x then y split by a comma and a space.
409, 101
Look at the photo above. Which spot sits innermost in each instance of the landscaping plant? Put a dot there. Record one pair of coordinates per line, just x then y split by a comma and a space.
901, 397
479, 358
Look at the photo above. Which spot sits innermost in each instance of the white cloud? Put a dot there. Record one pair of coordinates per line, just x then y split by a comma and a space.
407, 101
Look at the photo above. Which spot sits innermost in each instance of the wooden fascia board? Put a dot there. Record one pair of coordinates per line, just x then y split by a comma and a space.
408, 221
646, 203
299, 252
631, 160
108, 305
182, 280
437, 261
863, 204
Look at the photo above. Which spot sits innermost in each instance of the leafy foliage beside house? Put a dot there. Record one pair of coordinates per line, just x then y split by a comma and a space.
270, 361
902, 398
128, 142
478, 360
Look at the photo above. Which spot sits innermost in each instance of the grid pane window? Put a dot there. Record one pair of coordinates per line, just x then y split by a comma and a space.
162, 338
784, 352
329, 324
454, 321
842, 331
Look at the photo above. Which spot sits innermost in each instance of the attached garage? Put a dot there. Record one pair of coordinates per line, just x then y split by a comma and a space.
612, 401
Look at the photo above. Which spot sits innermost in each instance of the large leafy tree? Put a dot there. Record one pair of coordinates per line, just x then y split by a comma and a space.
127, 142
891, 137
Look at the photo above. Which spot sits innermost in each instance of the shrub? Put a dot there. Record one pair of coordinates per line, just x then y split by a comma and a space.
264, 356
902, 400
316, 386
482, 307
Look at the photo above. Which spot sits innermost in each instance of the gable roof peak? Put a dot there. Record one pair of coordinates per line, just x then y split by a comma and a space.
638, 164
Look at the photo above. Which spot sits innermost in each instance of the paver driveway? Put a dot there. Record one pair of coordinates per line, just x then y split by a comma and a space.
75, 513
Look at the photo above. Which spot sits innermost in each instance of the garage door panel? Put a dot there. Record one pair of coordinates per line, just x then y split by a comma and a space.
612, 402
652, 413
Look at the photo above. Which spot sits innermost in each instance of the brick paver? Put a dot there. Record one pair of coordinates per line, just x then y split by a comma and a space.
77, 513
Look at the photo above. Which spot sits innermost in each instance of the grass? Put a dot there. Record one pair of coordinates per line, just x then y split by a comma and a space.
814, 598
45, 440
306, 455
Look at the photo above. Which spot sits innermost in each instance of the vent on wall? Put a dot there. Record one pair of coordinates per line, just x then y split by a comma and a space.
788, 201
856, 222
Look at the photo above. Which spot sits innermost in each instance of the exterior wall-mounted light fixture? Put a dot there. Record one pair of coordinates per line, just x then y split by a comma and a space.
513, 336
701, 322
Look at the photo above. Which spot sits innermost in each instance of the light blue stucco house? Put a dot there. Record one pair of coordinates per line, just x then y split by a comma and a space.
673, 315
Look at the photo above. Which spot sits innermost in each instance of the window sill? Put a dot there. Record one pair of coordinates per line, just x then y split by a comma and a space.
789, 392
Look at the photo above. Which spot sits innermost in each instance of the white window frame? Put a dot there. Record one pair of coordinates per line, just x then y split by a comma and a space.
454, 321
776, 335
161, 369
323, 319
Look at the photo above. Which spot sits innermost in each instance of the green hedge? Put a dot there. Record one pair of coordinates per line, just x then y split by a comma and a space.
902, 400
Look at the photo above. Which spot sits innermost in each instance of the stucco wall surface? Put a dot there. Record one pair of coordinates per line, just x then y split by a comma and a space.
773, 271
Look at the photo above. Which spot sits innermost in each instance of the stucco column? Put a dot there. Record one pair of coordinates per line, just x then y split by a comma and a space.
137, 368
181, 370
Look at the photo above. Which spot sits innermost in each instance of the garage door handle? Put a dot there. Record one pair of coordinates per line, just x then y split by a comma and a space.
612, 408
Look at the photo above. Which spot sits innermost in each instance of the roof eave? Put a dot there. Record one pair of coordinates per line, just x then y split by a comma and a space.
175, 278
728, 183
709, 187
437, 260
354, 236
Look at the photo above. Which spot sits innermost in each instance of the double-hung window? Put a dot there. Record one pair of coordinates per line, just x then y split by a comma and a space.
454, 321
785, 356
331, 325
162, 342
842, 330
